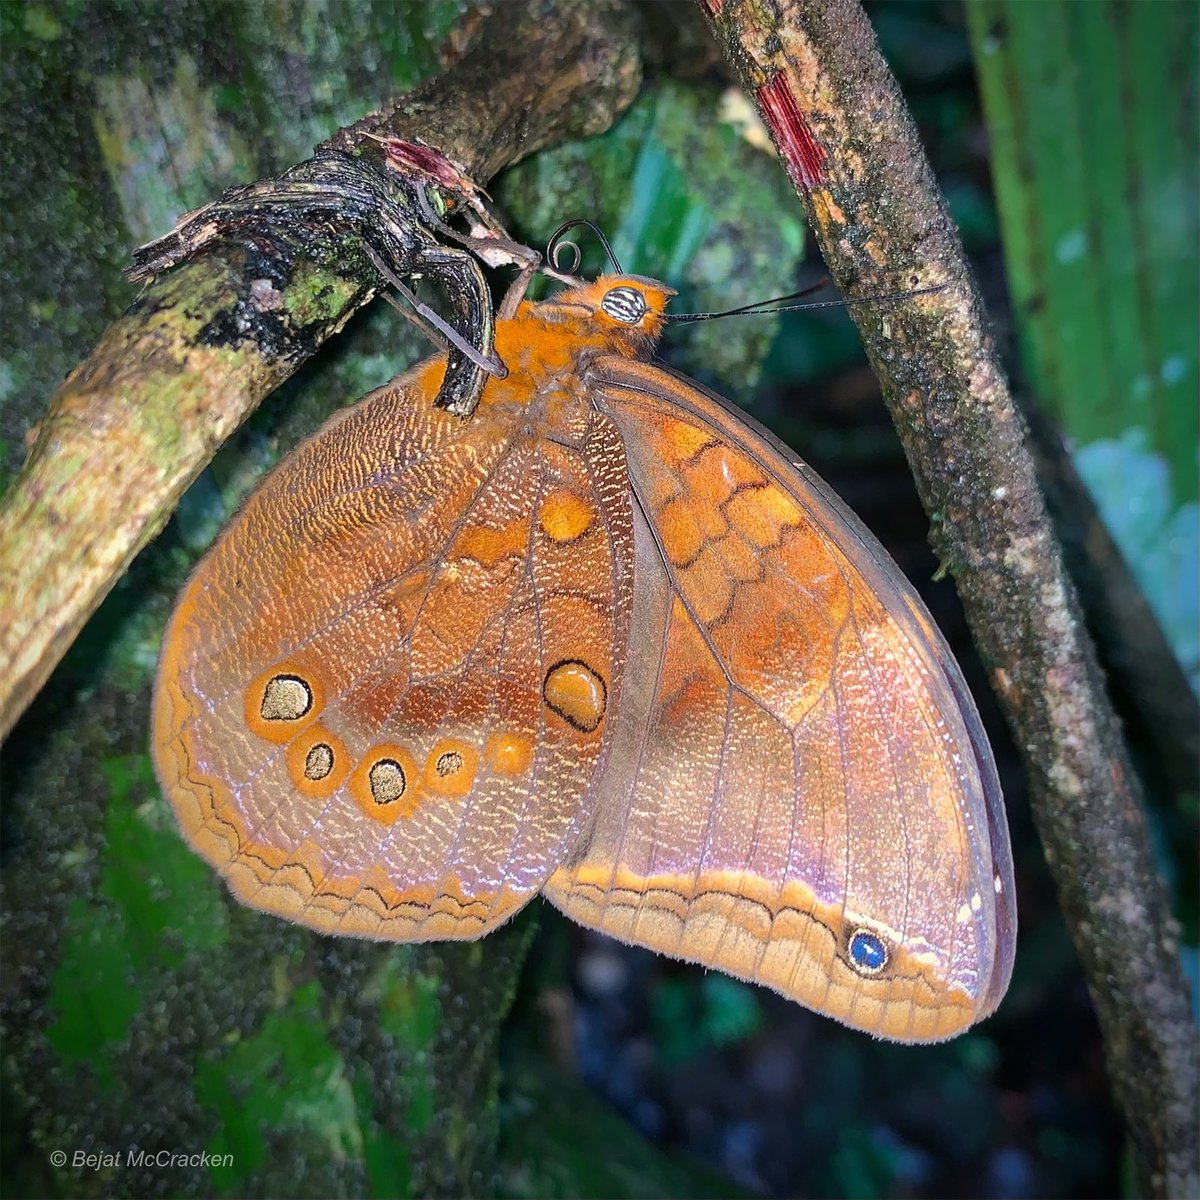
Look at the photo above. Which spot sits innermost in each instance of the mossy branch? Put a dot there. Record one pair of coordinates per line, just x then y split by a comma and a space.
836, 113
134, 424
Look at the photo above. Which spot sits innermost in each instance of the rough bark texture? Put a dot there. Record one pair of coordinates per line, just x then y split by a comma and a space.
844, 134
133, 425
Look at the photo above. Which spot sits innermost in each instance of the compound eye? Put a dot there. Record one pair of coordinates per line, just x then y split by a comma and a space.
624, 304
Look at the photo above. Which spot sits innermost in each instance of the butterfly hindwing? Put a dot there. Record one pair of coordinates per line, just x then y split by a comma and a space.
384, 690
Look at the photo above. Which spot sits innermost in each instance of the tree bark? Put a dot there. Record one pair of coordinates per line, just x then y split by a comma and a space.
834, 109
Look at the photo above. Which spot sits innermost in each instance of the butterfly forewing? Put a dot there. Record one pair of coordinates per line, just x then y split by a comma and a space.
384, 690
799, 801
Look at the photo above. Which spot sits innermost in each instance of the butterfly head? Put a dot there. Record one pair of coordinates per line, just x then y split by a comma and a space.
623, 314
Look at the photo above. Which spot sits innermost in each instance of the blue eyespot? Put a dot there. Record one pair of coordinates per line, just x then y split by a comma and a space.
868, 954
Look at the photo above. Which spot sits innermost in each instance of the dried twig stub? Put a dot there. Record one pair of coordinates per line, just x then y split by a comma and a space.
335, 200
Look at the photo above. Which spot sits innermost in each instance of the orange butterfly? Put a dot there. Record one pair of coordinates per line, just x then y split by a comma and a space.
608, 641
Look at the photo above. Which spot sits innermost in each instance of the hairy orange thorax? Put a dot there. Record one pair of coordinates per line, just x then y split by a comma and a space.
549, 338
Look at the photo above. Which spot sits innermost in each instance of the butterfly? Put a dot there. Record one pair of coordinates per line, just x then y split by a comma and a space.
607, 641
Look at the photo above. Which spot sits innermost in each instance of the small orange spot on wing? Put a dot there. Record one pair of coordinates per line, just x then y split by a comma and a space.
706, 585
762, 514
679, 531
283, 701
681, 441
488, 546
508, 753
741, 558
564, 515
317, 762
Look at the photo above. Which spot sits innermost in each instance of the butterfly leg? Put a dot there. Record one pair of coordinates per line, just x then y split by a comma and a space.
463, 281
489, 242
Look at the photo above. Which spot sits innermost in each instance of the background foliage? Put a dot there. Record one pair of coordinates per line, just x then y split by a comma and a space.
142, 1008
1090, 112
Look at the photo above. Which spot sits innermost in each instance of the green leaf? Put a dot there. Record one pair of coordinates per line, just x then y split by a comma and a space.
1092, 114
693, 1014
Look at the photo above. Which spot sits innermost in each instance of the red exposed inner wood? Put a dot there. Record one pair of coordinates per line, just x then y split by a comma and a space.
802, 153
422, 158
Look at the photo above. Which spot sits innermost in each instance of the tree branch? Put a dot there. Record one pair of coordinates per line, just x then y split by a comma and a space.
850, 147
171, 379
